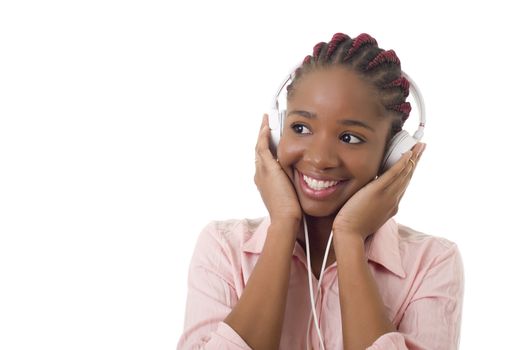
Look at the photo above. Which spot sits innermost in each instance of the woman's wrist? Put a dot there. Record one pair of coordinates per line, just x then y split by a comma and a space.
286, 222
345, 242
283, 231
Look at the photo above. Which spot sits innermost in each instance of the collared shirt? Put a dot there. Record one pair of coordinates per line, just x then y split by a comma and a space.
419, 277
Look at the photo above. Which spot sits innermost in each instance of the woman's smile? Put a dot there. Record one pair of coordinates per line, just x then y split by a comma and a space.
318, 188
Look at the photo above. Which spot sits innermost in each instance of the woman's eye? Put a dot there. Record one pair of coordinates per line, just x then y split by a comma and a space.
349, 138
300, 129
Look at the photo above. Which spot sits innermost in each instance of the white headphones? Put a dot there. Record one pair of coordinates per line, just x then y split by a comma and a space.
399, 144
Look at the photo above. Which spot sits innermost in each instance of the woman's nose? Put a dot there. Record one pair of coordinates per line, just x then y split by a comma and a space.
321, 153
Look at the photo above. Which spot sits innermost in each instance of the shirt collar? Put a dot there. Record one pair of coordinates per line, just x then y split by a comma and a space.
255, 242
381, 247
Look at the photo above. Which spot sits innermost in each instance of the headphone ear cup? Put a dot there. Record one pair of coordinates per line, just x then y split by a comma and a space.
402, 142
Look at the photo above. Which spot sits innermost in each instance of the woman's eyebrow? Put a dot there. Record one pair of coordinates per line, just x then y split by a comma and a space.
348, 122
353, 122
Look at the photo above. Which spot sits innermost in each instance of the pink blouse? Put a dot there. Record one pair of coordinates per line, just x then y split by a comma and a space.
420, 278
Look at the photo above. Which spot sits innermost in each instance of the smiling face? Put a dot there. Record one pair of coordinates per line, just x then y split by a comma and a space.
334, 138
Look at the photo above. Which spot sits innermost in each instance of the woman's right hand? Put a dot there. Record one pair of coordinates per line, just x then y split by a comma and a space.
276, 189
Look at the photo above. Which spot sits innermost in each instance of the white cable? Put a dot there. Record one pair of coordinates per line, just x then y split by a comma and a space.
312, 299
318, 288
312, 302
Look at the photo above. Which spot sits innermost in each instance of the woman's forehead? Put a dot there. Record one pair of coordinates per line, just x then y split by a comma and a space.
336, 90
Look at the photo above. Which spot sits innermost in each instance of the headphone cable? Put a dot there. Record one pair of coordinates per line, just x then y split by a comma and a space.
312, 301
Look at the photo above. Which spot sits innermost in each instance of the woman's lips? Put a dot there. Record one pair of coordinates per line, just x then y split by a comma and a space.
322, 190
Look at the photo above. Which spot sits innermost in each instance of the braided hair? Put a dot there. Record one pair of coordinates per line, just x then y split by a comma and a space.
362, 55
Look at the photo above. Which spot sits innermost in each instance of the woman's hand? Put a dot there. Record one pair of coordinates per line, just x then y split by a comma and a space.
370, 207
277, 191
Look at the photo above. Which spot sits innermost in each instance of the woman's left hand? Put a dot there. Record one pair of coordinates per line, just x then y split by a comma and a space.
370, 207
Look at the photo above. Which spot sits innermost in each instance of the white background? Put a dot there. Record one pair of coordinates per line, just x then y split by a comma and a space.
126, 126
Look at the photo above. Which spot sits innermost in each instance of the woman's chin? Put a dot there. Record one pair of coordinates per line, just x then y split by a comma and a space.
319, 211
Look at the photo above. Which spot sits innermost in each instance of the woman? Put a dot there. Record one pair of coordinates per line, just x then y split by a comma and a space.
385, 286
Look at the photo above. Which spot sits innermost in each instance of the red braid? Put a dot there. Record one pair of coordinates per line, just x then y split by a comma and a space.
401, 82
317, 49
337, 39
307, 60
403, 108
384, 57
360, 41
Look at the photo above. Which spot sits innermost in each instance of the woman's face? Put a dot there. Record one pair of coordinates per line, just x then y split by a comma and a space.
333, 139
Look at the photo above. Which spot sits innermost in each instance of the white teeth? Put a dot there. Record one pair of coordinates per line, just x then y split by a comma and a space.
318, 184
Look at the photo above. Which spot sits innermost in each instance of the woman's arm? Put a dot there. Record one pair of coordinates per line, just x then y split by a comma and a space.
258, 316
216, 317
363, 315
432, 319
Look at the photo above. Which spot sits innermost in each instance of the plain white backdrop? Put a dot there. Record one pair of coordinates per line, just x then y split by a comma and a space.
126, 126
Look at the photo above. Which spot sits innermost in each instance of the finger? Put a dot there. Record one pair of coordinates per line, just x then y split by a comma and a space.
403, 181
390, 176
262, 149
398, 182
264, 121
258, 145
262, 139
407, 164
421, 152
414, 160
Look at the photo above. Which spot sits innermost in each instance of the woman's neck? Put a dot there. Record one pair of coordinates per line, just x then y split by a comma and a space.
319, 229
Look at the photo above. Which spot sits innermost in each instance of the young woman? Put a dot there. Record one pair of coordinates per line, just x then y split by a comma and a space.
385, 286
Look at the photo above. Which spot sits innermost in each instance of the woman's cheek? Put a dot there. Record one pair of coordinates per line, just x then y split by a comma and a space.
365, 166
289, 152
288, 155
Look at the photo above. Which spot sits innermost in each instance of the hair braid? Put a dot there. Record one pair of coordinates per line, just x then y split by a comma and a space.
358, 43
335, 42
362, 55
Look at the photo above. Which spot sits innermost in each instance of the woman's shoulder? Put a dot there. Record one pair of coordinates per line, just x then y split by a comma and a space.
426, 247
409, 235
233, 233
